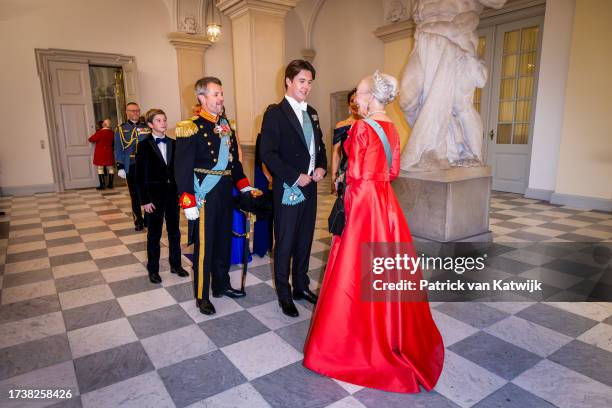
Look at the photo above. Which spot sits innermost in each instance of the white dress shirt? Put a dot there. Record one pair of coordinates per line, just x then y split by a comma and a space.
299, 108
162, 147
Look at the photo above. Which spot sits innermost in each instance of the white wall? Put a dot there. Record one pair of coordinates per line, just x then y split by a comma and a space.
346, 48
584, 171
556, 41
136, 27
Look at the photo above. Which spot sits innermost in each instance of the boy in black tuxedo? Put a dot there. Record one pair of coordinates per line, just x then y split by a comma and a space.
158, 193
292, 147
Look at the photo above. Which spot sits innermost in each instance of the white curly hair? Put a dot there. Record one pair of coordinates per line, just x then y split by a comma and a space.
384, 87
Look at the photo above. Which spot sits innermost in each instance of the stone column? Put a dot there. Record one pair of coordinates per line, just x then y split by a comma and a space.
258, 35
190, 50
398, 39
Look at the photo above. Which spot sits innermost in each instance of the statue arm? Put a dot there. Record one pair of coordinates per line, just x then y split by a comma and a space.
461, 24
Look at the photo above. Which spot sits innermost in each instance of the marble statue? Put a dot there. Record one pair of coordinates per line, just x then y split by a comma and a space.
437, 86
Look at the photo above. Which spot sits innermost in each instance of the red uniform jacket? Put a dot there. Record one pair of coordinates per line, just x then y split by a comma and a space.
103, 155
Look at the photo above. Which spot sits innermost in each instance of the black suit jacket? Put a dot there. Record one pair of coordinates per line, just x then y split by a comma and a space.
283, 148
155, 178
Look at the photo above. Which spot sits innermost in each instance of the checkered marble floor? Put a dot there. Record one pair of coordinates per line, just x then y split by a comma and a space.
78, 312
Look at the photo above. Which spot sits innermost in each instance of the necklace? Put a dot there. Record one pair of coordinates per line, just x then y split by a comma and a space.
373, 112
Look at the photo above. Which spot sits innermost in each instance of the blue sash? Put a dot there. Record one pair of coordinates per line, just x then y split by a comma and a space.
383, 138
211, 180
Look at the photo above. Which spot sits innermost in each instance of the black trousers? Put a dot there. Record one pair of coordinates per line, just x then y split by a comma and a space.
294, 227
131, 182
218, 241
166, 207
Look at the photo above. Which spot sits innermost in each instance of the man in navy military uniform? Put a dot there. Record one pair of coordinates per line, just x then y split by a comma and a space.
127, 136
206, 166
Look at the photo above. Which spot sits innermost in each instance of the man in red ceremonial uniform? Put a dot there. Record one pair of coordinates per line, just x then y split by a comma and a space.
103, 153
206, 167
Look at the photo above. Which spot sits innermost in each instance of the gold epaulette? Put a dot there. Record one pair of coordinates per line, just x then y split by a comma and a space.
185, 128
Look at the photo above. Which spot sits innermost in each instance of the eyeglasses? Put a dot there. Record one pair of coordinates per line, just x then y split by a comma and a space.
133, 110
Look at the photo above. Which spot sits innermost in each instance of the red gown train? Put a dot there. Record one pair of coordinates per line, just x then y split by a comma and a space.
391, 346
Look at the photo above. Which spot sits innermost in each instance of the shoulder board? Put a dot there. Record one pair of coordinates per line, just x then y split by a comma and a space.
185, 128
194, 117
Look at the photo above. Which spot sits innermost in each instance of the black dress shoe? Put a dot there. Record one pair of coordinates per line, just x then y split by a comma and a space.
205, 307
179, 271
155, 278
229, 292
139, 226
307, 295
288, 308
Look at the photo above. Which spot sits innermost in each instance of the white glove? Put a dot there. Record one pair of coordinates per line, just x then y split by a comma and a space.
192, 213
121, 173
245, 189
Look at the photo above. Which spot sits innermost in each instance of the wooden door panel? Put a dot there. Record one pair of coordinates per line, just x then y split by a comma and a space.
75, 122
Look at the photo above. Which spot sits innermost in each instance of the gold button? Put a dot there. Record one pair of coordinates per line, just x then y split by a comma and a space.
205, 134
215, 160
209, 143
212, 152
201, 126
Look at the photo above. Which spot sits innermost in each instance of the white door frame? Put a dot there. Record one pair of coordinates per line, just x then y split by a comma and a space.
43, 57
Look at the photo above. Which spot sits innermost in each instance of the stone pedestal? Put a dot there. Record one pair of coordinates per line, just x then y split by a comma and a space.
447, 206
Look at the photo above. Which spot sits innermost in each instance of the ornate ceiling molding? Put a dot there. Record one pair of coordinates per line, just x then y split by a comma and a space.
188, 16
237, 8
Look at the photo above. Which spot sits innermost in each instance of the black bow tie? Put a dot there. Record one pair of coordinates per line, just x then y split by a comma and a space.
159, 140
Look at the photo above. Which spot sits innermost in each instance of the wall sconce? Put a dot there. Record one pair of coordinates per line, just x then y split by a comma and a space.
213, 22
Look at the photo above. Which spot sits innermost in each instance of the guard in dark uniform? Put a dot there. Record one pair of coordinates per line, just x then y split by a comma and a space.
127, 137
206, 167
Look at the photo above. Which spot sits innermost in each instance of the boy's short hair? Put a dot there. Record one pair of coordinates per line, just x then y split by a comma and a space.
295, 67
151, 113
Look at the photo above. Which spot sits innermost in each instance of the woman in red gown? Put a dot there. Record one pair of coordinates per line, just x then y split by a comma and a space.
390, 345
